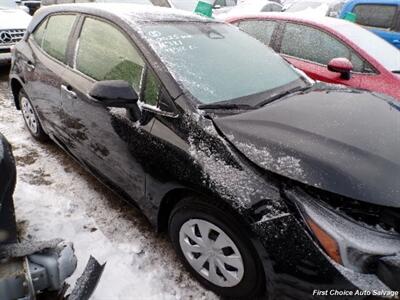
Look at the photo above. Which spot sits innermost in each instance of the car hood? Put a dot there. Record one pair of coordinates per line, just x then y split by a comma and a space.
343, 141
14, 19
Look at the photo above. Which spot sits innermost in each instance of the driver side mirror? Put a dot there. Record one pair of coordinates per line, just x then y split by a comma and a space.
116, 93
341, 65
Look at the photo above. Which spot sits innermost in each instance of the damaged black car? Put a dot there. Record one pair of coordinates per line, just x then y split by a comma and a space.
268, 184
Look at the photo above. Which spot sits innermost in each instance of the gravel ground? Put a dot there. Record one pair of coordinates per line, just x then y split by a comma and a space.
55, 197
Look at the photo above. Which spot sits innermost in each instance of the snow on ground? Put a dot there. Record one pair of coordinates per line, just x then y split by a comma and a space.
55, 197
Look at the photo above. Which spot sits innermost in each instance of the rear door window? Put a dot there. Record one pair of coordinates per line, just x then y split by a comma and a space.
55, 40
260, 29
105, 53
375, 15
314, 45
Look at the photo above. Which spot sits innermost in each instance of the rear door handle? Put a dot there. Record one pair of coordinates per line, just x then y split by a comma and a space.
69, 91
396, 41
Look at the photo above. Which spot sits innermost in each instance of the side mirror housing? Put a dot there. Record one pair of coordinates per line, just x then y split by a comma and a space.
114, 93
117, 93
341, 65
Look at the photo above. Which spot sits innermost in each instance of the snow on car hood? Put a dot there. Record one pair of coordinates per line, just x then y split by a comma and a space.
14, 19
345, 142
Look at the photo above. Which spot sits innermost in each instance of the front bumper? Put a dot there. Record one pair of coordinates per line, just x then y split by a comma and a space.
297, 267
388, 270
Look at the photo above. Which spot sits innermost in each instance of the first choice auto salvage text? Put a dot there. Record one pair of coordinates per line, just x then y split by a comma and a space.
333, 292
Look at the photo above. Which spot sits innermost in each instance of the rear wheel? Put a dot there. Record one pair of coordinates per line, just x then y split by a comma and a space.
215, 248
31, 119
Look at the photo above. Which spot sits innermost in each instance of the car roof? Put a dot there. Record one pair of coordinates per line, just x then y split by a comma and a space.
131, 13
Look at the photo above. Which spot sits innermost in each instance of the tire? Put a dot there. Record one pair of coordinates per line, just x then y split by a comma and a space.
31, 119
228, 237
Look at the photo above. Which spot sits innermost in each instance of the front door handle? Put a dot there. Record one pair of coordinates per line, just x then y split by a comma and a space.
69, 91
396, 41
30, 65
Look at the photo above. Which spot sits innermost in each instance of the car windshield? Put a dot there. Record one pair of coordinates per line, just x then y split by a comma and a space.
189, 5
386, 54
7, 4
218, 62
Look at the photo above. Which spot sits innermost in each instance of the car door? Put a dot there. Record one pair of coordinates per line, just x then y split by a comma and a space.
381, 18
44, 66
310, 49
108, 141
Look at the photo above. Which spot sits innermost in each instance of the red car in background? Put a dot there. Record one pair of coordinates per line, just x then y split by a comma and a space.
329, 49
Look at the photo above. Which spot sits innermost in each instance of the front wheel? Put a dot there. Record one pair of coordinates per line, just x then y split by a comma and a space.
214, 247
31, 119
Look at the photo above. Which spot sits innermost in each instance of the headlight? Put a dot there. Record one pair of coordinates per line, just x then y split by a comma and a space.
349, 242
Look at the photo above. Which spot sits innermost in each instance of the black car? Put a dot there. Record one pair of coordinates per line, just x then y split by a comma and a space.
8, 225
267, 183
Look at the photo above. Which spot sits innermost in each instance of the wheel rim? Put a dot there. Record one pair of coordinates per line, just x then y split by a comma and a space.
29, 115
211, 252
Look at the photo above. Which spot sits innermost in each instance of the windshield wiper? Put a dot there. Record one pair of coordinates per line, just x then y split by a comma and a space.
283, 94
225, 106
396, 71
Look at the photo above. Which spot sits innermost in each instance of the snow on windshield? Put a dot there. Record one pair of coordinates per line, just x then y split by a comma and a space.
211, 60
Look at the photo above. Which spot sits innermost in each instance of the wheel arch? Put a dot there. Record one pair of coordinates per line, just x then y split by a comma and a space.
168, 203
173, 197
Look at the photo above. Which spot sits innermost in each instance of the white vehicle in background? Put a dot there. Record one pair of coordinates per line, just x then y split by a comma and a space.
328, 8
248, 7
13, 23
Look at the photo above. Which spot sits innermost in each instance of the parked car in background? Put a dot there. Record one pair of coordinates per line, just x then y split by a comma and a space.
32, 5
382, 17
330, 8
13, 23
329, 49
264, 181
247, 7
